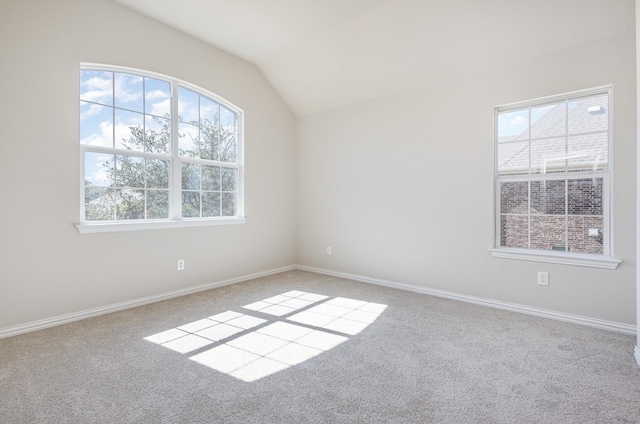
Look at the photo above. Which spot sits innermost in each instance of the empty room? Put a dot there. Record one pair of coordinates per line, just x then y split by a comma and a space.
319, 211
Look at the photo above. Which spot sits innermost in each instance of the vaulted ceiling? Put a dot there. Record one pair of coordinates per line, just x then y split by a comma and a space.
320, 54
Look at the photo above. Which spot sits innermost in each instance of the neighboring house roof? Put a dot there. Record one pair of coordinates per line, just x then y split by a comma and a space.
547, 149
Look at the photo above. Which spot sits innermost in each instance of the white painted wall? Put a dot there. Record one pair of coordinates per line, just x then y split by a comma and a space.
46, 267
401, 187
637, 349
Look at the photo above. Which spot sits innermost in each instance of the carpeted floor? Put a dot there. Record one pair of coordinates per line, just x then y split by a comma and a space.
327, 351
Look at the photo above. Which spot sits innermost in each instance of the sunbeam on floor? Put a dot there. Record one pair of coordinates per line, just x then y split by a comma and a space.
291, 328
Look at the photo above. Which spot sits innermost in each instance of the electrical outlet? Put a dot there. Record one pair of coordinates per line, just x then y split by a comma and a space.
181, 265
328, 250
543, 278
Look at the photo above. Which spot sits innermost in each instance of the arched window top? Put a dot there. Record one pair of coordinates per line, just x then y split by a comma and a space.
156, 150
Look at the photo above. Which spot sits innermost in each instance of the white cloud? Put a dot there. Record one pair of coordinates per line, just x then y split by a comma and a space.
97, 90
99, 177
161, 108
92, 111
123, 87
156, 94
518, 120
103, 138
95, 170
188, 111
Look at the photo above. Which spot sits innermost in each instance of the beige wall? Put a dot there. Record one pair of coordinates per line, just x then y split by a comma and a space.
46, 267
637, 350
401, 187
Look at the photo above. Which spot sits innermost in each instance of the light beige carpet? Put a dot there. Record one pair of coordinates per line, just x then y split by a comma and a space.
305, 348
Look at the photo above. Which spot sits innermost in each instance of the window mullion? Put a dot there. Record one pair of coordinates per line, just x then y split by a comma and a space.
566, 215
566, 181
529, 183
175, 183
529, 215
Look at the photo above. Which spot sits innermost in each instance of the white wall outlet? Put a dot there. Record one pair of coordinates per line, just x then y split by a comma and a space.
180, 264
328, 250
543, 278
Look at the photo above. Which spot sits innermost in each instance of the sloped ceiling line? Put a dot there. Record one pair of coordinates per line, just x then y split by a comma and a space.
319, 54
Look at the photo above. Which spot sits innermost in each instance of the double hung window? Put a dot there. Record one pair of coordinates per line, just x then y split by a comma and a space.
552, 179
156, 150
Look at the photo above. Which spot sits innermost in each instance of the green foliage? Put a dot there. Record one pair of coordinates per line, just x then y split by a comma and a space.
139, 186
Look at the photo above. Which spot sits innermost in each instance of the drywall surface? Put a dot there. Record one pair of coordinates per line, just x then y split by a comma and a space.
401, 187
47, 268
637, 181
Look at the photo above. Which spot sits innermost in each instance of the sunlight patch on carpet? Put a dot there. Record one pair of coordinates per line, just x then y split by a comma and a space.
249, 347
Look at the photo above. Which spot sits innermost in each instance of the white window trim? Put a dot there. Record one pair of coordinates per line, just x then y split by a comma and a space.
577, 259
174, 221
607, 260
158, 224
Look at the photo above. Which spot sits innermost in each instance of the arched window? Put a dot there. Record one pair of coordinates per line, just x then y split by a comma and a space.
156, 152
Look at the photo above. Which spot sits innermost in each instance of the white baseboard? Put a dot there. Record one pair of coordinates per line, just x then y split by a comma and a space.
513, 307
636, 353
89, 313
77, 316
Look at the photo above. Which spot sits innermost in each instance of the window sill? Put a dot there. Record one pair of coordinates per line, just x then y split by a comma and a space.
557, 258
111, 227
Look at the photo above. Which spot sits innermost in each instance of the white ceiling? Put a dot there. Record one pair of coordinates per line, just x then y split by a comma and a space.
320, 54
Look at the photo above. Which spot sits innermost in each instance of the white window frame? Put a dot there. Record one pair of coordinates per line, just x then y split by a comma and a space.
604, 260
175, 219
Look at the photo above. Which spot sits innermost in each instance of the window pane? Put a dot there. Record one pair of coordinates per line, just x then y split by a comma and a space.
157, 97
188, 106
585, 196
228, 148
548, 156
96, 125
129, 204
157, 134
548, 197
96, 86
210, 204
190, 204
589, 115
130, 172
129, 130
513, 125
586, 234
548, 233
188, 140
157, 204
98, 204
228, 135
157, 173
190, 176
514, 231
210, 140
514, 197
229, 179
548, 121
513, 158
588, 152
128, 91
211, 178
98, 169
228, 204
